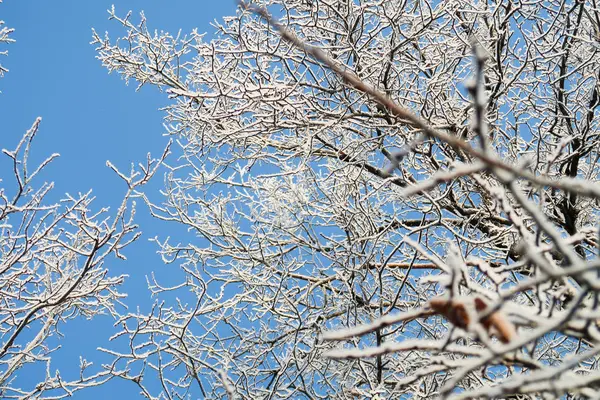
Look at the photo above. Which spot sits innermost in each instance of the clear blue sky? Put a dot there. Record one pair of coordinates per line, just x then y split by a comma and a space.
90, 117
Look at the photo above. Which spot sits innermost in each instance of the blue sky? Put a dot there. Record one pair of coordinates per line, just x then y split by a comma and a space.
90, 117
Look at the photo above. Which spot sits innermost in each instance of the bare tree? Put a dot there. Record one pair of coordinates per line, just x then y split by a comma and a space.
54, 259
384, 198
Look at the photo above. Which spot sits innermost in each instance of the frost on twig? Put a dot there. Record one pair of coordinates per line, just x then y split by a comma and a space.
5, 33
